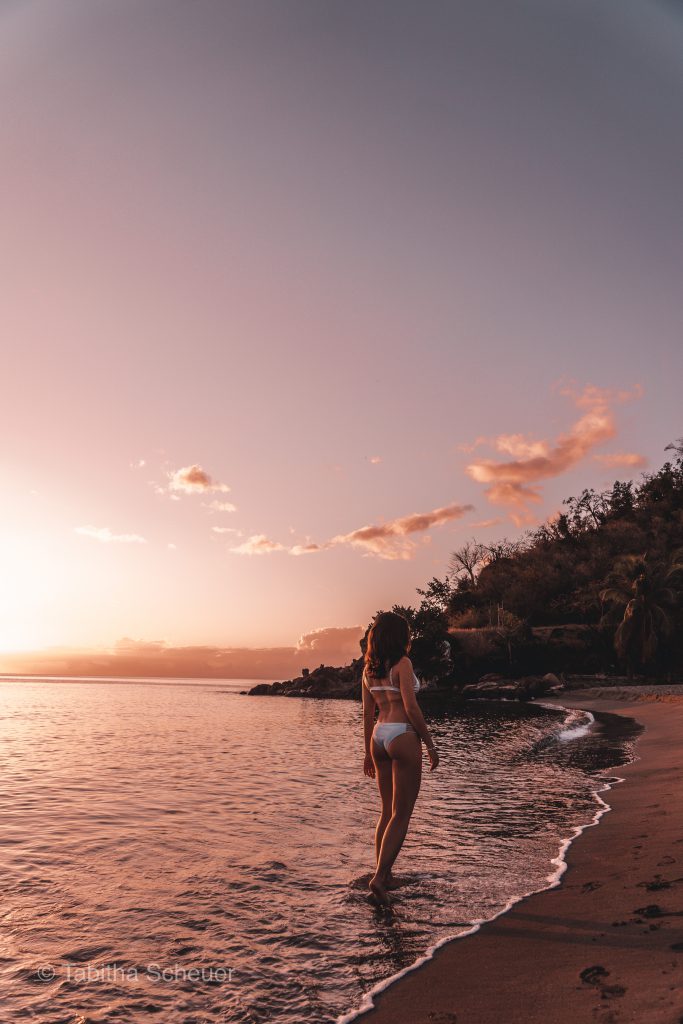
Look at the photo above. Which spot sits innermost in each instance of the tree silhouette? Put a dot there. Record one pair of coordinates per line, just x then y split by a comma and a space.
647, 591
467, 559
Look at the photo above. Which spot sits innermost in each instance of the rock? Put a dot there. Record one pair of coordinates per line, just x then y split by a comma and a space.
324, 681
500, 688
551, 679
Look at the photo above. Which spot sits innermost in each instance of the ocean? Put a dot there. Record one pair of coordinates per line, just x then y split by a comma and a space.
179, 851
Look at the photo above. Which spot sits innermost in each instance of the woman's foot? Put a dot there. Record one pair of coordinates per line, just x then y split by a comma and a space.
393, 882
378, 889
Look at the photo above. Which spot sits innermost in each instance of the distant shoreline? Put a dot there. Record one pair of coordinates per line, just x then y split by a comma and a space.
17, 677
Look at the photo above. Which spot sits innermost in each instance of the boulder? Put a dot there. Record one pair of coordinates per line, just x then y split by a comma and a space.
324, 681
261, 689
551, 679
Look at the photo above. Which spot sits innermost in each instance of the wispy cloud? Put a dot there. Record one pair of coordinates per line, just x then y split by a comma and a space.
514, 484
105, 535
257, 544
629, 460
391, 540
193, 480
470, 446
226, 529
307, 549
220, 506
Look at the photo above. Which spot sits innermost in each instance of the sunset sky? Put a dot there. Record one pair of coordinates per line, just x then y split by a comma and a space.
297, 297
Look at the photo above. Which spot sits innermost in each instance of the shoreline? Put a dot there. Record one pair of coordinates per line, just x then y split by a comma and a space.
530, 957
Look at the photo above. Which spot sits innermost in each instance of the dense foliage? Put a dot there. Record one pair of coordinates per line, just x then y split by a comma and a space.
611, 564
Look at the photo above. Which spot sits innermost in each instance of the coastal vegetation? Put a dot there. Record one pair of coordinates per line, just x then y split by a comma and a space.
595, 590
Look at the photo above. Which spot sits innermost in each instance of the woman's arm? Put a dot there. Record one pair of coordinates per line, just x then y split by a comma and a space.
368, 723
412, 708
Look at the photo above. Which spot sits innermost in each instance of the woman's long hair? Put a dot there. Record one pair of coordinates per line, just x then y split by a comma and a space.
388, 641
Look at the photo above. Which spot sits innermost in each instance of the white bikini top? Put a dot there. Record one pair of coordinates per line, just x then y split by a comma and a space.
396, 689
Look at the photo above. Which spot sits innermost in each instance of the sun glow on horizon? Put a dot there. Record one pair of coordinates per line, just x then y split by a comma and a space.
32, 579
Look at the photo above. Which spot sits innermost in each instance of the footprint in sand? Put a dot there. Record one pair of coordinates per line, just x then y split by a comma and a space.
437, 1017
654, 910
654, 886
592, 975
595, 975
612, 991
651, 910
590, 886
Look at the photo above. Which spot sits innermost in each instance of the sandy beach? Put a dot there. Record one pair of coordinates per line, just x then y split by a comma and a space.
606, 945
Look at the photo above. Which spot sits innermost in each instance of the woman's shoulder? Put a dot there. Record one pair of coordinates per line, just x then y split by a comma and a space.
404, 662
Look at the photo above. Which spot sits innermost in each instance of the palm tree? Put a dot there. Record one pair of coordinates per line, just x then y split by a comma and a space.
647, 591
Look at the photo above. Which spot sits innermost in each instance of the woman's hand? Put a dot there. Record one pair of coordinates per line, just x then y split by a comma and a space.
433, 755
369, 766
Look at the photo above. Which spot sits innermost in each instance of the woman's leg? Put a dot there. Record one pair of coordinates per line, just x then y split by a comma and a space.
406, 757
385, 784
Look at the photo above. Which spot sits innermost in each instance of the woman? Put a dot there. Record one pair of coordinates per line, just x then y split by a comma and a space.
393, 751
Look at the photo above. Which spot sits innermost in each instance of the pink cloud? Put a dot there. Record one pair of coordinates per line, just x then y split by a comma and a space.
386, 540
630, 460
194, 480
391, 540
307, 549
134, 657
221, 506
257, 544
514, 484
105, 536
326, 643
470, 446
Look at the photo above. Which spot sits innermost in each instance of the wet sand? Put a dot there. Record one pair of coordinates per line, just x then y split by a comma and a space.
606, 945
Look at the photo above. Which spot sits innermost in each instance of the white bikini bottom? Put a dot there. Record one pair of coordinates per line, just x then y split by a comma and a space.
385, 732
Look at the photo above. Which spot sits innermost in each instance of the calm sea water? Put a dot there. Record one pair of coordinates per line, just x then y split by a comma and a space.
172, 850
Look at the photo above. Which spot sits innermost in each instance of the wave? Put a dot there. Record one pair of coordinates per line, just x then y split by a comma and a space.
578, 723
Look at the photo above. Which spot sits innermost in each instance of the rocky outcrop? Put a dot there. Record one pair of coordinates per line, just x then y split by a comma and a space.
337, 683
345, 684
496, 687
